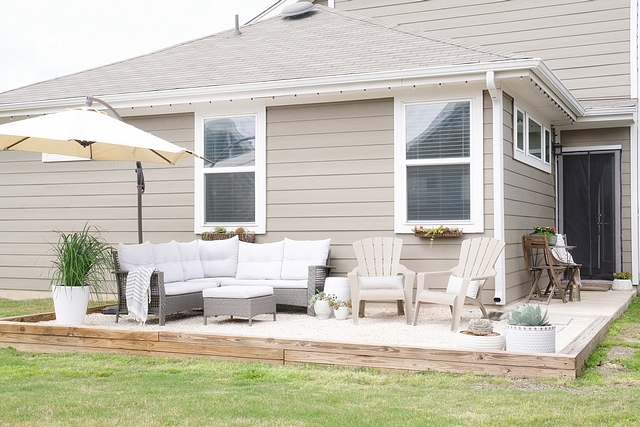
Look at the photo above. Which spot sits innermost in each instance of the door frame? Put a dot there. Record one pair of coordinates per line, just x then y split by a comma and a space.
616, 150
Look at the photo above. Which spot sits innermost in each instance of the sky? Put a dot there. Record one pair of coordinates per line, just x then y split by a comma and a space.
44, 39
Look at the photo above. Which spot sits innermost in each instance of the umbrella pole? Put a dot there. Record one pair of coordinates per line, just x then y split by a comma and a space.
140, 192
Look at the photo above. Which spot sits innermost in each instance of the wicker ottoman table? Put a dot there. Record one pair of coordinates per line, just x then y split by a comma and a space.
243, 301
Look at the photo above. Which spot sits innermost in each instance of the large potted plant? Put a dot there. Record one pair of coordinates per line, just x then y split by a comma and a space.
528, 331
82, 265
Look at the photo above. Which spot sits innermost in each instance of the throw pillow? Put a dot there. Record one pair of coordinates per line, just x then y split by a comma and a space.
454, 286
380, 282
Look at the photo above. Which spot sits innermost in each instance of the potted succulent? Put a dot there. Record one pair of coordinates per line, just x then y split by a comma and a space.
528, 331
340, 308
480, 335
82, 265
550, 232
622, 281
321, 303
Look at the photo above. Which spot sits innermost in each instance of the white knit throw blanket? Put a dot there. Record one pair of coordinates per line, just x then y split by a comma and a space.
137, 292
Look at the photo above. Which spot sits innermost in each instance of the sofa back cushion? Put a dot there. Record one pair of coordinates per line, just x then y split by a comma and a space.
167, 259
300, 254
190, 258
134, 256
260, 261
219, 258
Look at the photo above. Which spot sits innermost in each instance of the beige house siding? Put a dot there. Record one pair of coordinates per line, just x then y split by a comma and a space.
37, 198
330, 174
529, 200
603, 138
586, 43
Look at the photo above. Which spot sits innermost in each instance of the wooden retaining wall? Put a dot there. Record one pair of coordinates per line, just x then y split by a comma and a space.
24, 333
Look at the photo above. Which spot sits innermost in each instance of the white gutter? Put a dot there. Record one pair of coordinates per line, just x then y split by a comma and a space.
498, 184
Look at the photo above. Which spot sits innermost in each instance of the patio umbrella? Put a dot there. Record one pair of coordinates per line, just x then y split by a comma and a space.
88, 133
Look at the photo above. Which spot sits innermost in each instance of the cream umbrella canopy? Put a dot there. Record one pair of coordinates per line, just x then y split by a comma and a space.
88, 133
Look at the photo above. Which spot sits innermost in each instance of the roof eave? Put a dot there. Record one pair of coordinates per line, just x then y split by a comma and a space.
378, 80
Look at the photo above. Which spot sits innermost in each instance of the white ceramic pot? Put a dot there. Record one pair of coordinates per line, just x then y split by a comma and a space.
480, 343
323, 309
622, 285
341, 313
530, 339
70, 303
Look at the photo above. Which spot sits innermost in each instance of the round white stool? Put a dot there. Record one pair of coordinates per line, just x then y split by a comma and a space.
338, 287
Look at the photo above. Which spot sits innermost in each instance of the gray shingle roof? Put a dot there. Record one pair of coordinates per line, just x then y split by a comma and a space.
325, 43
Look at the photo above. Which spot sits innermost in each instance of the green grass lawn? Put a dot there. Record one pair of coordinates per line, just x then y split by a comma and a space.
70, 389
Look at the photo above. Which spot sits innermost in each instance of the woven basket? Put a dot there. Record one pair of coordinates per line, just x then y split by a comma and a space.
245, 237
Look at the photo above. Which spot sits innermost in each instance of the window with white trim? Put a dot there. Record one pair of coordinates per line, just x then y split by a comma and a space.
439, 165
230, 192
532, 141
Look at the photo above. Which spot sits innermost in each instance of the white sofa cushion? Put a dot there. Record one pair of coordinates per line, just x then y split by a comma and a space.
300, 254
260, 260
238, 292
380, 282
134, 256
275, 284
190, 286
190, 257
167, 259
453, 287
219, 258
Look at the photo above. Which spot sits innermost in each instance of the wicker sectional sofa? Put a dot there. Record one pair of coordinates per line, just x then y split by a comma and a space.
296, 269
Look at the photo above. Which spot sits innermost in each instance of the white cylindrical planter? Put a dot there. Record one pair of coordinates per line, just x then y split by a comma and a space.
338, 287
530, 339
323, 309
479, 342
622, 285
341, 313
70, 303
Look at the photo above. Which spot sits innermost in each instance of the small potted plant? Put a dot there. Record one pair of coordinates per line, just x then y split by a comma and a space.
82, 264
321, 303
550, 232
528, 331
480, 335
622, 281
340, 308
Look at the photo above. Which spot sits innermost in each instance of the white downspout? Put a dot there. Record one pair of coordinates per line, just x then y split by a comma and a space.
498, 185
635, 150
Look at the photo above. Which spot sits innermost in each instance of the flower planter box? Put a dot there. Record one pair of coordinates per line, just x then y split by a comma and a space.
245, 237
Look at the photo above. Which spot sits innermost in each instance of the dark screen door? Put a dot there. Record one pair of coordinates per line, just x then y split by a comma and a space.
589, 211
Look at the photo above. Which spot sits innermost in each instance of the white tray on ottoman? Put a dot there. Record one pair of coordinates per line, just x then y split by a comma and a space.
243, 301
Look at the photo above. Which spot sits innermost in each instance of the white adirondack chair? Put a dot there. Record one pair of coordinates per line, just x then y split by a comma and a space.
379, 276
475, 265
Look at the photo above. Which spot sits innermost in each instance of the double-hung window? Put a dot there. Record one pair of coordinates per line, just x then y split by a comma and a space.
230, 191
439, 165
532, 141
